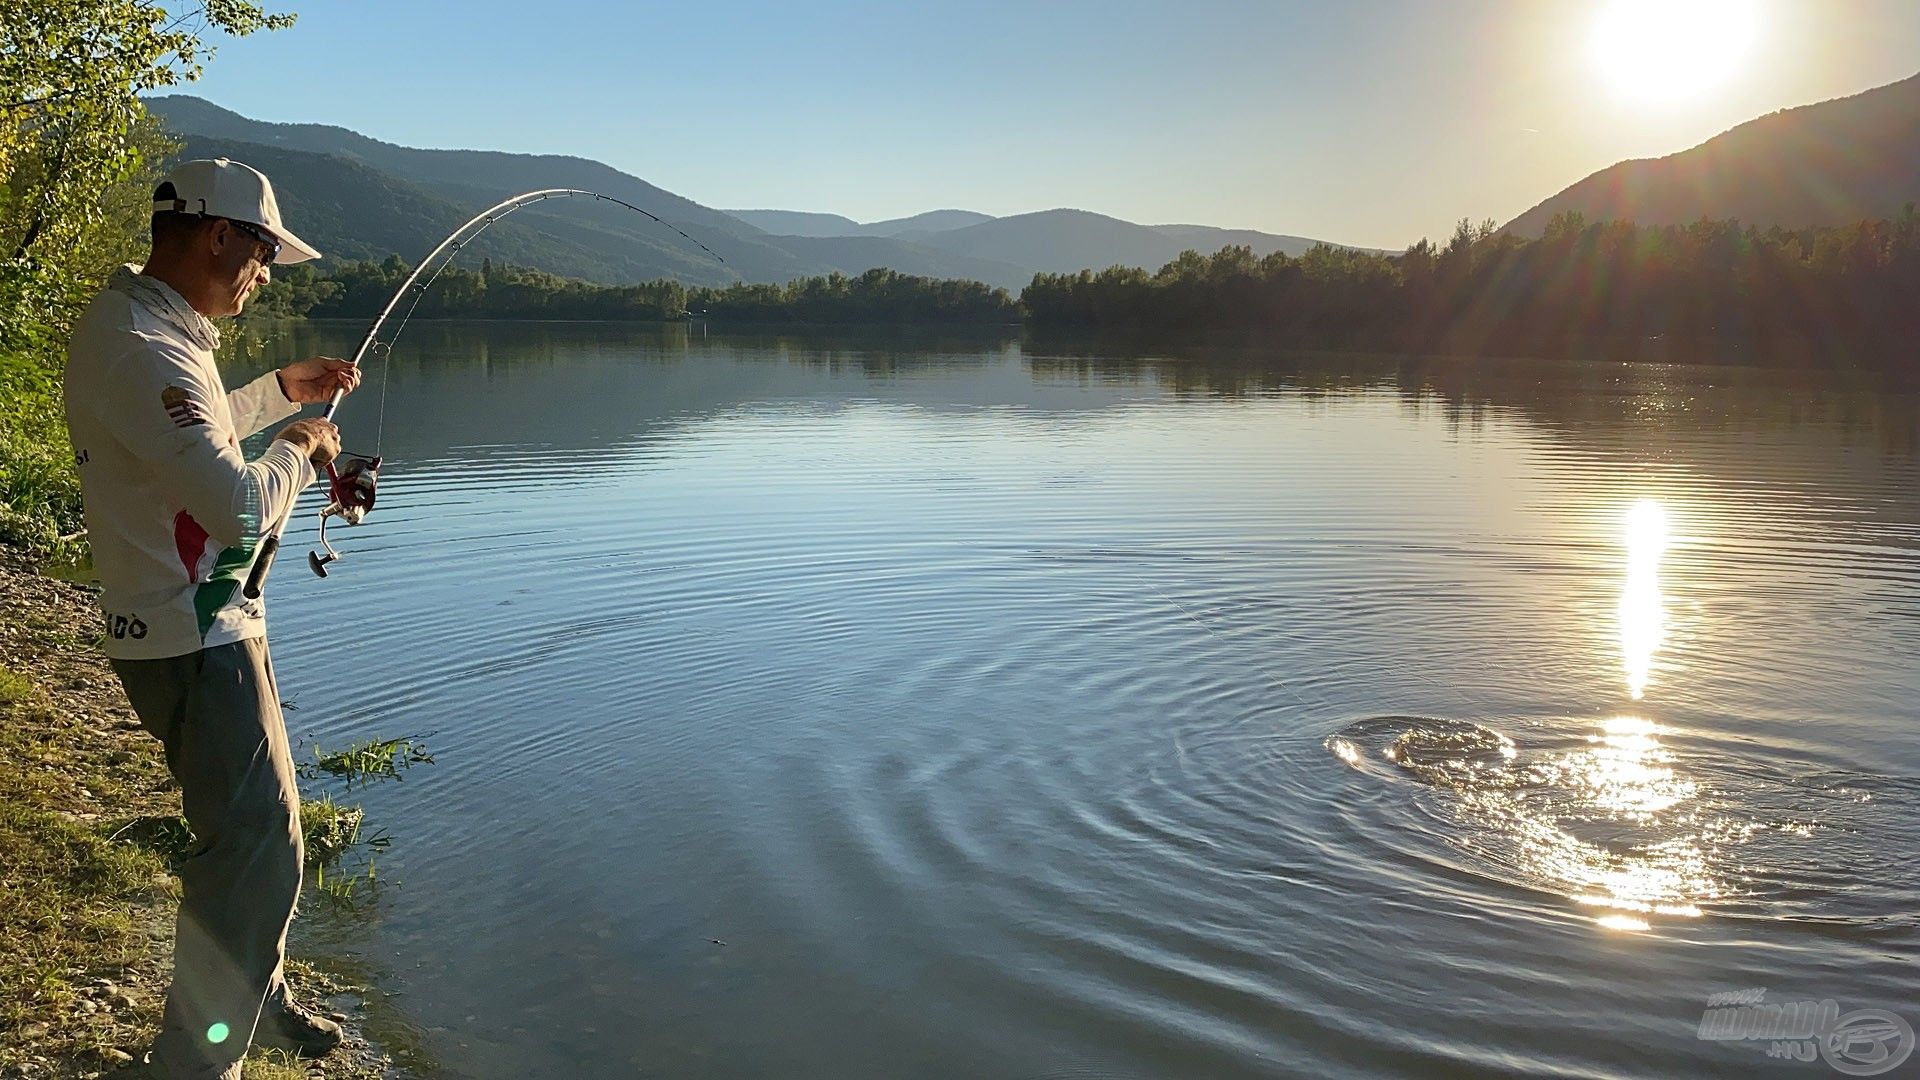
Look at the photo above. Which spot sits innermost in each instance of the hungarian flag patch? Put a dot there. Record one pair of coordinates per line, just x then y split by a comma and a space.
181, 407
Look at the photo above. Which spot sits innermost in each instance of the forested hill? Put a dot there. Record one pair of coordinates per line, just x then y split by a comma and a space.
350, 210
1831, 163
369, 190
383, 199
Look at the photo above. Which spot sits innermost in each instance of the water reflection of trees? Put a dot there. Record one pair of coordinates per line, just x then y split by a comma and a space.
1820, 430
878, 351
574, 385
1565, 394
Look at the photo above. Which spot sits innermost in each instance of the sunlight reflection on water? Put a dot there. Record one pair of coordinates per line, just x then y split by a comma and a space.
1642, 617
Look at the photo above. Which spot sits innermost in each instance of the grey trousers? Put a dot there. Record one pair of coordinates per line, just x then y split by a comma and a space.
217, 713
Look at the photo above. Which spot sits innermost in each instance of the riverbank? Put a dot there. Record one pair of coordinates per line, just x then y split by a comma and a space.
87, 824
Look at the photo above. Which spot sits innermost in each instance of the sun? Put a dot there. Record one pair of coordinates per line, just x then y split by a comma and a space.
1668, 51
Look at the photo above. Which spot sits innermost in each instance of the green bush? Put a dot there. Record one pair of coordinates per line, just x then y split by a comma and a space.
39, 489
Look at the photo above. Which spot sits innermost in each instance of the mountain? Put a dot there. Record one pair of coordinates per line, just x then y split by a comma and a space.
932, 221
1829, 163
1065, 241
358, 197
352, 211
1208, 238
1103, 240
1059, 241
808, 223
800, 223
379, 198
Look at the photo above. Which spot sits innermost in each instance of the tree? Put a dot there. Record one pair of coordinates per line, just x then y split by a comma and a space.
72, 130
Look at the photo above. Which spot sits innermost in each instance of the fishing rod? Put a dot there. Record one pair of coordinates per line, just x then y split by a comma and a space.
351, 487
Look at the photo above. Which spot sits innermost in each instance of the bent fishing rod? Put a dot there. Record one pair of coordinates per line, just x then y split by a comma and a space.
351, 487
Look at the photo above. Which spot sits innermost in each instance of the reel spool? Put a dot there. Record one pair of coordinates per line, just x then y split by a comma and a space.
351, 489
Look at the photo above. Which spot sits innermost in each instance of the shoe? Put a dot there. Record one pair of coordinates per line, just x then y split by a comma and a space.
298, 1031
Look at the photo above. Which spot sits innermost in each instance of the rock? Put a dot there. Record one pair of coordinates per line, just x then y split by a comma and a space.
115, 1056
34, 1031
123, 1001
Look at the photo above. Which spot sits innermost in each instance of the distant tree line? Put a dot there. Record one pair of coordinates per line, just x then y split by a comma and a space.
877, 296
360, 289
1847, 294
1710, 290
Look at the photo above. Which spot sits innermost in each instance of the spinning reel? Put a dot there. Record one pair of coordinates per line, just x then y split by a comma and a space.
350, 487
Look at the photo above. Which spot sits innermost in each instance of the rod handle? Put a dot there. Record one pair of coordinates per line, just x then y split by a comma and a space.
258, 578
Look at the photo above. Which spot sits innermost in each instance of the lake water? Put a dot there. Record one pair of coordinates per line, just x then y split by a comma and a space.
1011, 710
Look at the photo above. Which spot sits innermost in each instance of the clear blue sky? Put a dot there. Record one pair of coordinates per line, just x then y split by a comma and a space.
1366, 122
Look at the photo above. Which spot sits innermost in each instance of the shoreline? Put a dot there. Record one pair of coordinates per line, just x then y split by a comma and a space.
86, 900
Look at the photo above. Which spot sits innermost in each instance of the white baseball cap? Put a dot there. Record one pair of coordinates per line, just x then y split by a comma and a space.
217, 187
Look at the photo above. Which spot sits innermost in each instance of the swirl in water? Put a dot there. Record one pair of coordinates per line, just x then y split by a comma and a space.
1617, 820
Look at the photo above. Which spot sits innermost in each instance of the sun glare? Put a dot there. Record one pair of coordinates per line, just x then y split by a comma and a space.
1667, 51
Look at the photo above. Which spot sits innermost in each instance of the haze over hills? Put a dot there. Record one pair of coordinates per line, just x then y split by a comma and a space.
1829, 163
1209, 238
1051, 240
800, 223
358, 197
807, 223
930, 221
1060, 240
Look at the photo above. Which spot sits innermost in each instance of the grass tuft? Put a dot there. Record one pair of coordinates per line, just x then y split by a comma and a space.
167, 836
373, 759
15, 688
331, 830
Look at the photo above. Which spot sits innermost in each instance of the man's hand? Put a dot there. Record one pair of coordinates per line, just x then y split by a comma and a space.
316, 438
313, 380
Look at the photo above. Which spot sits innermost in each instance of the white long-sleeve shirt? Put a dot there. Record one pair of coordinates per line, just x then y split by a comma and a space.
174, 511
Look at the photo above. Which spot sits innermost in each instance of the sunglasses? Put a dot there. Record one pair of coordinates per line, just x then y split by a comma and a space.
272, 242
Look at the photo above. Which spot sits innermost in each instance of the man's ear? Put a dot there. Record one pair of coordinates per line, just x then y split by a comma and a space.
219, 235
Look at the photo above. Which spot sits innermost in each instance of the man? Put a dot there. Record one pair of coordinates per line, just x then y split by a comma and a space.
174, 513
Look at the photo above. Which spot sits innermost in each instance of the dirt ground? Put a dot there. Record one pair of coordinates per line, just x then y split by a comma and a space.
86, 901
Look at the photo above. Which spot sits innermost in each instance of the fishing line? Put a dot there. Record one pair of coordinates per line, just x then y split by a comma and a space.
351, 488
384, 348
